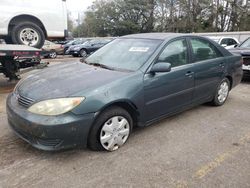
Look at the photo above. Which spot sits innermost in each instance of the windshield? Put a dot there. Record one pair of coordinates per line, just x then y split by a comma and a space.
128, 54
246, 44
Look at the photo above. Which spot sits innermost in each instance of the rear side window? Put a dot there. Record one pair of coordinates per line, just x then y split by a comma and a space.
204, 50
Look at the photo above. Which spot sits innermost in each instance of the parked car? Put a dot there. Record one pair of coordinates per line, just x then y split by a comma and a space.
51, 49
31, 22
2, 41
133, 81
244, 50
226, 42
73, 43
88, 47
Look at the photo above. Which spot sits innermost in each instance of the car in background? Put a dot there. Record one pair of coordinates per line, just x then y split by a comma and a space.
135, 80
89, 47
63, 42
2, 41
74, 42
31, 22
226, 42
51, 49
244, 50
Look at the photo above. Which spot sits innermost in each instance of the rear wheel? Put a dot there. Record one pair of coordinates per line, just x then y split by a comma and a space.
53, 55
111, 130
222, 92
28, 33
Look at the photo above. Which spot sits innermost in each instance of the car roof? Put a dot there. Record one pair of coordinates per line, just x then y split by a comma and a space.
159, 36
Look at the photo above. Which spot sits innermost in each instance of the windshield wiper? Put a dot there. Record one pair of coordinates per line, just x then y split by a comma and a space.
83, 60
100, 65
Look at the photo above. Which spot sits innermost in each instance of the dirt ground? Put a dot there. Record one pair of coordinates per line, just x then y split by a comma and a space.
202, 147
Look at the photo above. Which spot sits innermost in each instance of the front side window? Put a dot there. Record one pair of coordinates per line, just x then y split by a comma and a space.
175, 53
232, 42
204, 50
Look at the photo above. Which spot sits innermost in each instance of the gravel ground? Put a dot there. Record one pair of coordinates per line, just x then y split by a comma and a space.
202, 147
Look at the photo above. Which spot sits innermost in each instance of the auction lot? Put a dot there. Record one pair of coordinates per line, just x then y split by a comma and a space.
203, 147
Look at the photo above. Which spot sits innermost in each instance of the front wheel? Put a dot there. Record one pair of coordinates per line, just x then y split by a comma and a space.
111, 130
83, 53
222, 92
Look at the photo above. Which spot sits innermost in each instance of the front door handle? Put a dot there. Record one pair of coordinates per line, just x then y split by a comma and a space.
222, 65
189, 74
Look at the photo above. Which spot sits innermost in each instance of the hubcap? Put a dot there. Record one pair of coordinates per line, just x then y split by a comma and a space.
223, 92
52, 55
114, 133
29, 36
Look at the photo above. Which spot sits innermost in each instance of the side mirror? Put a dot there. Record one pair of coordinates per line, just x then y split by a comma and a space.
161, 67
235, 45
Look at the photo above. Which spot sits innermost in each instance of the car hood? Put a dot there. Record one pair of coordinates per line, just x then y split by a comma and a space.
242, 51
65, 80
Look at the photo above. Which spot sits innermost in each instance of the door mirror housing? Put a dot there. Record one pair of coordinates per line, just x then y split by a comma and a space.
235, 45
161, 67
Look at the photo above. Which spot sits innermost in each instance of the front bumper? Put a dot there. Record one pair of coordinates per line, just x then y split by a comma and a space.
49, 132
72, 52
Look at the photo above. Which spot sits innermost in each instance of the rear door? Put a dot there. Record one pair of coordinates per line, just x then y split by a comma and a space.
209, 65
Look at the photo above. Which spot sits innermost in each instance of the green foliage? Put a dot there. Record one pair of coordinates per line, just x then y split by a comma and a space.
121, 17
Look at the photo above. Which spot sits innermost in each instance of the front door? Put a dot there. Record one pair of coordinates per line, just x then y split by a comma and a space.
170, 91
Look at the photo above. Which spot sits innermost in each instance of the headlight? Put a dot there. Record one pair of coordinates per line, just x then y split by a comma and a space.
55, 107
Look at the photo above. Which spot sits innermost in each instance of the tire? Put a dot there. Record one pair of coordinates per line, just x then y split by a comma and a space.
75, 55
53, 55
28, 33
106, 127
221, 93
64, 51
8, 40
83, 53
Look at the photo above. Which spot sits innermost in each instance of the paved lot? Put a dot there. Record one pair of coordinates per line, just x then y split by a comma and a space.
203, 147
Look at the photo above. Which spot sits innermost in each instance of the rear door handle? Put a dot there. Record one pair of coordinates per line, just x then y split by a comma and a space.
189, 74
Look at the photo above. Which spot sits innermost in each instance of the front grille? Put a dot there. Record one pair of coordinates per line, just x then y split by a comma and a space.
24, 101
246, 60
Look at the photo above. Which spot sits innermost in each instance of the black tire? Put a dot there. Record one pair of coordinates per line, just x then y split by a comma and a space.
83, 53
8, 40
94, 135
16, 34
216, 101
64, 51
75, 55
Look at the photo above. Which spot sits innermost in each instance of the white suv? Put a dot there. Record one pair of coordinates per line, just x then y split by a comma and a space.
226, 42
29, 22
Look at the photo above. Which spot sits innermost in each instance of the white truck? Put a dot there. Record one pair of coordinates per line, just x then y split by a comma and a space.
30, 22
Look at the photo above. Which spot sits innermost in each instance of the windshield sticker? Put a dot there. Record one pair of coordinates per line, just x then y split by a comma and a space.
139, 49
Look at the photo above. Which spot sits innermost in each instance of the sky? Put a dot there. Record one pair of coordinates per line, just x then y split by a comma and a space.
78, 6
